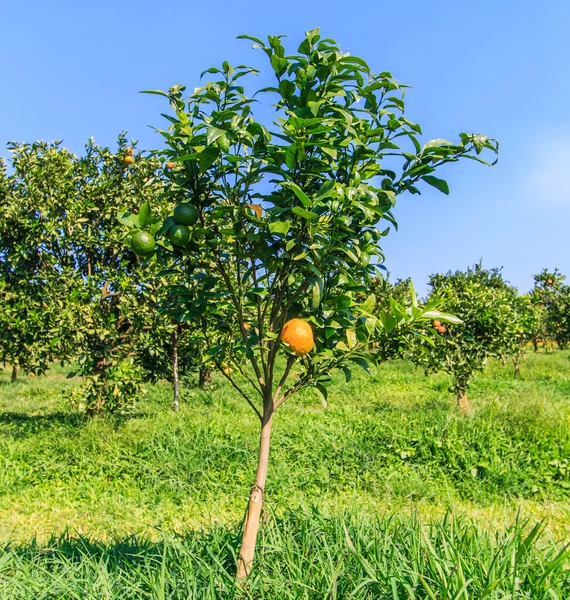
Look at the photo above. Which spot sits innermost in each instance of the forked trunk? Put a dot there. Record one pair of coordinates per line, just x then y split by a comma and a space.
175, 366
205, 377
253, 514
14, 374
463, 403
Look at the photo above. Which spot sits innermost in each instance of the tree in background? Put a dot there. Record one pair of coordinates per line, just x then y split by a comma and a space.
282, 220
548, 288
70, 288
34, 280
491, 326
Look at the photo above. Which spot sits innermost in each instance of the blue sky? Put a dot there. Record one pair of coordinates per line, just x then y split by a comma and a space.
72, 70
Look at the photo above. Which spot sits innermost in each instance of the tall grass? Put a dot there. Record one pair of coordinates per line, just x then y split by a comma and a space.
303, 556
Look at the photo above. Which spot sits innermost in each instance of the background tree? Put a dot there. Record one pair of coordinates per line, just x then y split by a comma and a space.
34, 282
490, 328
286, 220
70, 288
544, 296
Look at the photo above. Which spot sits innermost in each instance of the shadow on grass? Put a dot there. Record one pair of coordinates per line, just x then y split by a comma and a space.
24, 425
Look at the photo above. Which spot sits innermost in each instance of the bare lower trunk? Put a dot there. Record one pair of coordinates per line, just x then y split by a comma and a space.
175, 366
535, 344
205, 377
517, 369
14, 374
463, 403
253, 514
503, 361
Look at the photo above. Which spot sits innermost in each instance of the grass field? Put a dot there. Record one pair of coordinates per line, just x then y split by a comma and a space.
349, 486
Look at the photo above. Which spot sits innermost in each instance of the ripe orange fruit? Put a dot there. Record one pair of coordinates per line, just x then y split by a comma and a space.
256, 208
170, 165
550, 282
247, 326
441, 329
227, 371
131, 151
129, 160
436, 323
298, 335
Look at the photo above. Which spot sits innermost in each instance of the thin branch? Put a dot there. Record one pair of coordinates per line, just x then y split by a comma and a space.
236, 386
290, 363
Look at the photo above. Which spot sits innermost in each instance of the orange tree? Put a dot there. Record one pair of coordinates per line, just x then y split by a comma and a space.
549, 299
492, 326
281, 220
69, 288
34, 283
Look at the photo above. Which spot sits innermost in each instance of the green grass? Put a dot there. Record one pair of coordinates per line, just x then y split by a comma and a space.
303, 556
390, 444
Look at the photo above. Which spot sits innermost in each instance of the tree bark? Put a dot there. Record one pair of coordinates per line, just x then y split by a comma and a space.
463, 403
253, 514
517, 368
14, 374
175, 366
535, 344
205, 377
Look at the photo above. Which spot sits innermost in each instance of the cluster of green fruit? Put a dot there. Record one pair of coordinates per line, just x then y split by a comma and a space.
176, 228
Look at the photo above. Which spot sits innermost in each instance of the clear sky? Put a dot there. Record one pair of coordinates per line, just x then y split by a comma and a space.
72, 69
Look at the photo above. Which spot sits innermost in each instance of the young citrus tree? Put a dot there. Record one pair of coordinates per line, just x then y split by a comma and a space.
490, 326
279, 224
545, 294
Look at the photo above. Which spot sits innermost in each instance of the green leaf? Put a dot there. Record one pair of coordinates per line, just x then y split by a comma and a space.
361, 362
279, 227
128, 219
145, 214
436, 142
438, 183
479, 141
369, 304
444, 317
291, 156
322, 393
298, 192
351, 338
317, 294
157, 92
279, 64
213, 134
413, 295
208, 157
306, 214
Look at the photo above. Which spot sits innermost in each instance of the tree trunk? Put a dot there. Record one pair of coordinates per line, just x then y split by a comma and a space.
463, 403
503, 361
14, 374
253, 514
205, 377
517, 368
535, 344
175, 366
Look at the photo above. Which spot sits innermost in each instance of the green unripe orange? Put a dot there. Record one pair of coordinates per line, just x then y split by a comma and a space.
186, 213
179, 235
142, 243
